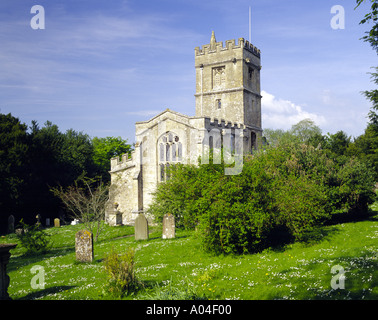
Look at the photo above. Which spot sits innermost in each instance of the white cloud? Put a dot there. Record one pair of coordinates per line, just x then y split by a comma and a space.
282, 114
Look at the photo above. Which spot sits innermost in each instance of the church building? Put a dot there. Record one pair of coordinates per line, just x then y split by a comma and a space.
227, 114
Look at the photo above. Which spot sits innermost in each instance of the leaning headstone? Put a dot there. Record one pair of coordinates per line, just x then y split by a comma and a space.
56, 223
141, 227
169, 230
84, 246
11, 224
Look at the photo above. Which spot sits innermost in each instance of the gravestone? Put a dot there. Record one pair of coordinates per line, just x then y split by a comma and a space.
11, 224
169, 229
56, 223
84, 246
141, 227
4, 278
47, 222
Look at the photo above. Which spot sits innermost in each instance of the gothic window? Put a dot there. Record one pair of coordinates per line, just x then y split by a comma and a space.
170, 152
218, 103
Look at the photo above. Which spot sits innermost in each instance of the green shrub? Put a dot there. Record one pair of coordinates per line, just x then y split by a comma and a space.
33, 239
300, 204
283, 191
120, 271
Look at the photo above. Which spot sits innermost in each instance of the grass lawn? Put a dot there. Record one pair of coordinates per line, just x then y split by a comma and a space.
179, 269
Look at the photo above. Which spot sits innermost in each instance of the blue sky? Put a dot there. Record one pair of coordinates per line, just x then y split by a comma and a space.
100, 66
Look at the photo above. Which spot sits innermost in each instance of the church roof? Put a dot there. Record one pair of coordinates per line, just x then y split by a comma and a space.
163, 112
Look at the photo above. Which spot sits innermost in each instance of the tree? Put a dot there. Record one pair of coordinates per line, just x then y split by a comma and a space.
107, 148
305, 130
55, 158
77, 153
13, 154
337, 143
86, 201
366, 145
372, 37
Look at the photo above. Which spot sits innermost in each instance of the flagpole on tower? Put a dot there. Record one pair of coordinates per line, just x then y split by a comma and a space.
250, 25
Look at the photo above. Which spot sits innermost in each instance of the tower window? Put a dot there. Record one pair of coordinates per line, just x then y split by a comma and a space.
218, 103
250, 73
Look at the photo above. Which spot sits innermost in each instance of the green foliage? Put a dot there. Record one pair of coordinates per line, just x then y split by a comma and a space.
107, 148
305, 131
13, 153
34, 161
120, 271
33, 239
288, 190
371, 36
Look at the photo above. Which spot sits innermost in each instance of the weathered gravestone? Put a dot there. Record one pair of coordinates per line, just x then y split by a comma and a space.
11, 224
4, 278
141, 227
169, 230
47, 222
56, 223
84, 246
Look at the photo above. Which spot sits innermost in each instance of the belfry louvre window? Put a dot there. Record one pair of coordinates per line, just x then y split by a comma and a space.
170, 152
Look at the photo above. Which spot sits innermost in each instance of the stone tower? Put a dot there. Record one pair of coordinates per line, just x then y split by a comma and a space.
228, 82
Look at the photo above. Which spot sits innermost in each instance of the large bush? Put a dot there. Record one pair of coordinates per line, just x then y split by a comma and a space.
289, 189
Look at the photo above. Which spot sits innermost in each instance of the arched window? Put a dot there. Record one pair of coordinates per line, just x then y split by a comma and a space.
170, 152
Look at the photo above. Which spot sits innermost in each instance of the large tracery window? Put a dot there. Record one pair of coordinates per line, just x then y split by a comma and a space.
170, 152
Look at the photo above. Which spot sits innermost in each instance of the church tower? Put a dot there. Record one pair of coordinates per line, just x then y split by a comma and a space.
228, 82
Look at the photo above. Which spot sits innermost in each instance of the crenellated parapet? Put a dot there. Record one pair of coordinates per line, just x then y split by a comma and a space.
124, 163
215, 47
221, 123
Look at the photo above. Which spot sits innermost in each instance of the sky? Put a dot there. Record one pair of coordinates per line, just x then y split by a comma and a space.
100, 66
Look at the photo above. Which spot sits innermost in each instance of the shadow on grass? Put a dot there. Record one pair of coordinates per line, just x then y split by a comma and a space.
361, 280
44, 292
20, 260
280, 237
350, 217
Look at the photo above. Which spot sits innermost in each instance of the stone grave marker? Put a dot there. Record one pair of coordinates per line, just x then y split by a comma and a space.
56, 223
84, 246
141, 227
11, 224
4, 278
47, 222
169, 229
